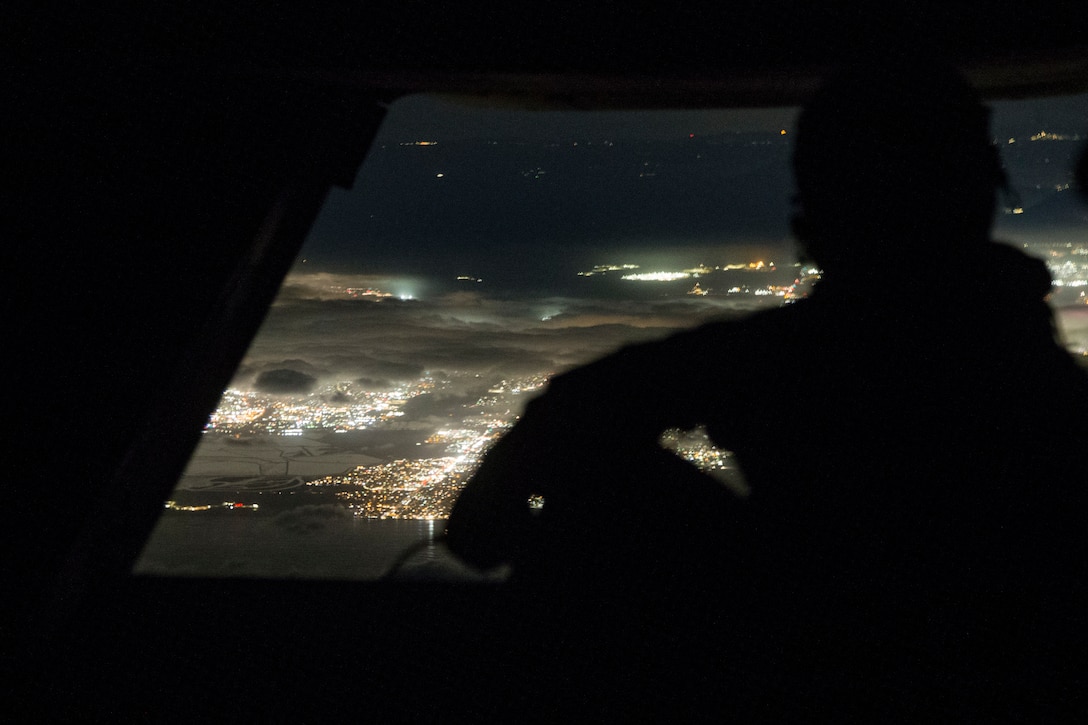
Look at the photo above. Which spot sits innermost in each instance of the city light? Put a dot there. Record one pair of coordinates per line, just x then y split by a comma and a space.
656, 276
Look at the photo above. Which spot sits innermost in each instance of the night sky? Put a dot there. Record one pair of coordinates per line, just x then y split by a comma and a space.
517, 195
504, 187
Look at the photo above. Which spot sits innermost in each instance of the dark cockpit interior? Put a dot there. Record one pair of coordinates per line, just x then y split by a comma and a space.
166, 166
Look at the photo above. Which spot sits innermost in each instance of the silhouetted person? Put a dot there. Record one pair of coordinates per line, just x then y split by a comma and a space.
913, 435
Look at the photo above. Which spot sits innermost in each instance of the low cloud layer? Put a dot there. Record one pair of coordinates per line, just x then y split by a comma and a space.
284, 380
317, 333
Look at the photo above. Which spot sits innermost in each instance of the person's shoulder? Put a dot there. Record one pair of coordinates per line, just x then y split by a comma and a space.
762, 324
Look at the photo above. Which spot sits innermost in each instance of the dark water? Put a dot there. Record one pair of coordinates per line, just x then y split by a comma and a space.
310, 544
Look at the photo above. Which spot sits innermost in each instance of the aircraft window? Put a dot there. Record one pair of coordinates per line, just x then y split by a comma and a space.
483, 250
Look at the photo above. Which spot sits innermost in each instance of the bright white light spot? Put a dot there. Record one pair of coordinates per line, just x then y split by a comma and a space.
656, 276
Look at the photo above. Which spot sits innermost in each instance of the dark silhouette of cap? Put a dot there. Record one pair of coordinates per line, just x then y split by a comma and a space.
897, 149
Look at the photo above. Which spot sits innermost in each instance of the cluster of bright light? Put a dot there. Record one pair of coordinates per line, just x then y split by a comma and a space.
698, 291
397, 476
525, 384
229, 505
1067, 272
415, 489
1047, 136
656, 276
696, 271
602, 268
426, 488
695, 447
250, 412
237, 410
355, 292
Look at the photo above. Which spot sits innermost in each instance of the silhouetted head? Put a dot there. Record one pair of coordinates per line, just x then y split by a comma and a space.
894, 161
